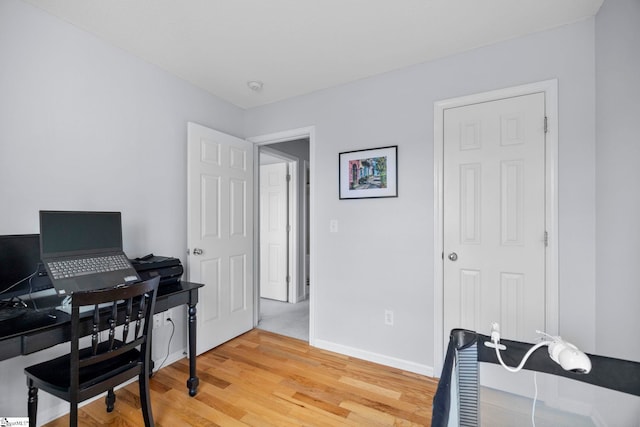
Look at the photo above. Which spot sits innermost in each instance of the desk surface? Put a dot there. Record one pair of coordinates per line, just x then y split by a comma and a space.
45, 327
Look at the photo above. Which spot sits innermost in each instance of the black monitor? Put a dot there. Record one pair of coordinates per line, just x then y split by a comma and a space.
21, 272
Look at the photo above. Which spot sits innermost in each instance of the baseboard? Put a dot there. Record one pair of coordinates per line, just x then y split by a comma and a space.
382, 359
171, 358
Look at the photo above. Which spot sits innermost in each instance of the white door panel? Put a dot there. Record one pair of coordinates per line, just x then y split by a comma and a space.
273, 231
220, 203
494, 219
494, 216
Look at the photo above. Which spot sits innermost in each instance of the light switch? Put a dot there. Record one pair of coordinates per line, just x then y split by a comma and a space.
333, 226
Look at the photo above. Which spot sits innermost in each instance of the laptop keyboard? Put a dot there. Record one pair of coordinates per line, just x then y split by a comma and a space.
83, 266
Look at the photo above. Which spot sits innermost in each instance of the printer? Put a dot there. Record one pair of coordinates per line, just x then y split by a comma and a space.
149, 266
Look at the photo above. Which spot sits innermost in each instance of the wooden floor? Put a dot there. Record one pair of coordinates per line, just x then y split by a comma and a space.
265, 379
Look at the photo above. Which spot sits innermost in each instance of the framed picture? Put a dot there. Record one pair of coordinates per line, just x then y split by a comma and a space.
371, 173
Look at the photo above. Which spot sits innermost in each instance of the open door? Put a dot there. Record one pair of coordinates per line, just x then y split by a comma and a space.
274, 231
220, 233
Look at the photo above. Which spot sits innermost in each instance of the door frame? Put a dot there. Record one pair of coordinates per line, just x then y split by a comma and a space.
550, 89
304, 229
272, 138
293, 252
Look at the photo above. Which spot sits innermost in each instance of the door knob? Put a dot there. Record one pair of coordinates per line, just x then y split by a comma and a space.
453, 256
197, 251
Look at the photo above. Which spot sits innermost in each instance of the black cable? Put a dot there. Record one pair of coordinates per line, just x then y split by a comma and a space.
173, 329
20, 281
35, 306
12, 303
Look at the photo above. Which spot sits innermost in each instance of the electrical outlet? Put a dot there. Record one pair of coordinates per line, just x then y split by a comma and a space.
157, 321
388, 317
165, 317
333, 226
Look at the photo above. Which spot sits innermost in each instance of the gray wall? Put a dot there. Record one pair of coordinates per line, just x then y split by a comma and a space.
618, 197
78, 114
382, 257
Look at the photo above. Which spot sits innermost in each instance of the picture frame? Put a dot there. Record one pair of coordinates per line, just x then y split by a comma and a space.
370, 173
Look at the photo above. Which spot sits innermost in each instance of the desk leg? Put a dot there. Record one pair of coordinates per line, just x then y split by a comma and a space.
193, 381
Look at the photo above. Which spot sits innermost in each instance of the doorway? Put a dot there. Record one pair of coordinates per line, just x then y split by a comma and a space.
284, 246
550, 276
278, 226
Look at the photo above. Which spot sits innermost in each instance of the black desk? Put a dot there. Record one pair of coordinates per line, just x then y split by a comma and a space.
37, 331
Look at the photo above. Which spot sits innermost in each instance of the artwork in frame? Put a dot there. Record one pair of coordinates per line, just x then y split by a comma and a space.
370, 173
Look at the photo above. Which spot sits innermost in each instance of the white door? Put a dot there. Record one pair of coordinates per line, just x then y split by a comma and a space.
274, 207
220, 233
494, 217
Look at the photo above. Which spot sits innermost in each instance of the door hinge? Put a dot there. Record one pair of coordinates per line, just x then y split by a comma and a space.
546, 239
288, 279
288, 177
288, 229
546, 124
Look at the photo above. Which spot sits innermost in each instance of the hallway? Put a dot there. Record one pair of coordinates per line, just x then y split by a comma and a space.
291, 320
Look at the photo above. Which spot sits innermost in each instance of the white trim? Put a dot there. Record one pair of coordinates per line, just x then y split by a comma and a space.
550, 89
283, 136
294, 233
382, 359
305, 209
290, 135
286, 157
170, 359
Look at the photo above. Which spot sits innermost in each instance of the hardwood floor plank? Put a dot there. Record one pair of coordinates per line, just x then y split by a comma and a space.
372, 388
189, 411
221, 405
264, 379
321, 405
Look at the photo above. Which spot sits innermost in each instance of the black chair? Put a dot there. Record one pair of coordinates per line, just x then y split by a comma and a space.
87, 372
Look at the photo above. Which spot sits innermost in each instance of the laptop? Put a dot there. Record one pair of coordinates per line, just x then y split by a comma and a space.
82, 251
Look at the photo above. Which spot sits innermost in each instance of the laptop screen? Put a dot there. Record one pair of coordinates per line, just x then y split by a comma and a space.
72, 233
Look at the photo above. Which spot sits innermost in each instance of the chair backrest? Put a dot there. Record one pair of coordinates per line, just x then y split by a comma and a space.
130, 306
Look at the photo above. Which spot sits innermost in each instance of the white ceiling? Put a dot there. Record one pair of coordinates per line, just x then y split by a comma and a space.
300, 46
